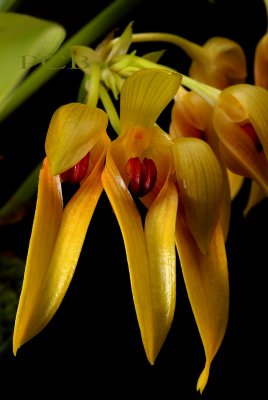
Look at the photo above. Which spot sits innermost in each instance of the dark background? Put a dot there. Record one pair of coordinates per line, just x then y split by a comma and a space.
93, 344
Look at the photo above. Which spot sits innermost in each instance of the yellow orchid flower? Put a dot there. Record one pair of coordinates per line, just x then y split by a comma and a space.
191, 116
76, 147
141, 157
240, 119
180, 182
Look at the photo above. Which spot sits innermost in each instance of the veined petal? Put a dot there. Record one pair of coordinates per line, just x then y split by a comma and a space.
57, 269
261, 63
46, 225
160, 241
256, 195
133, 235
144, 96
200, 183
237, 149
73, 130
206, 280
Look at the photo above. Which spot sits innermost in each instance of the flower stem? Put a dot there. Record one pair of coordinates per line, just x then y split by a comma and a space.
193, 50
208, 93
85, 36
110, 109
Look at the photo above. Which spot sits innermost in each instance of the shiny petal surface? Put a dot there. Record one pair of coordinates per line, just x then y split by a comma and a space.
48, 208
46, 283
206, 280
24, 42
73, 130
130, 223
200, 183
160, 241
144, 95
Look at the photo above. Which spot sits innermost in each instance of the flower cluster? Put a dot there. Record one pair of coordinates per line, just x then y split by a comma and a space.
186, 178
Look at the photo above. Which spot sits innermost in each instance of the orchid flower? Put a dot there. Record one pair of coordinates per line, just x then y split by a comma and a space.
220, 62
191, 116
241, 121
75, 152
180, 182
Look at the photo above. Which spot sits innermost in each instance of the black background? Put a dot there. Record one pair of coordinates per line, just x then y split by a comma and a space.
93, 344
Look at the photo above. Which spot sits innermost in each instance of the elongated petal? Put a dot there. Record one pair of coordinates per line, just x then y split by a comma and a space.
54, 275
160, 241
24, 42
235, 183
206, 280
200, 185
73, 130
256, 195
46, 225
133, 235
144, 96
123, 43
261, 63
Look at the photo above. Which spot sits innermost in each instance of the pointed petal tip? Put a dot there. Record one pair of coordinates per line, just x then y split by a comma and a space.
203, 379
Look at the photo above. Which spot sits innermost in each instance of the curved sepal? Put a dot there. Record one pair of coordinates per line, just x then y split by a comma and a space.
73, 130
206, 280
55, 246
160, 243
200, 183
150, 253
49, 207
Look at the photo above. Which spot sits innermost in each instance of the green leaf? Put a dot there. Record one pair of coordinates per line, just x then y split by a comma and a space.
24, 42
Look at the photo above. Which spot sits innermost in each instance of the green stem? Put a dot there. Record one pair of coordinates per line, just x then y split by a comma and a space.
193, 50
208, 93
92, 31
110, 109
23, 194
94, 85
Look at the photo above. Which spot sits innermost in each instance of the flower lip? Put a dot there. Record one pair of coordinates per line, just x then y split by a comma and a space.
142, 176
78, 172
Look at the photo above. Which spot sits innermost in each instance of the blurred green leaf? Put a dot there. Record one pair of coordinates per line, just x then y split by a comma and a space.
24, 42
